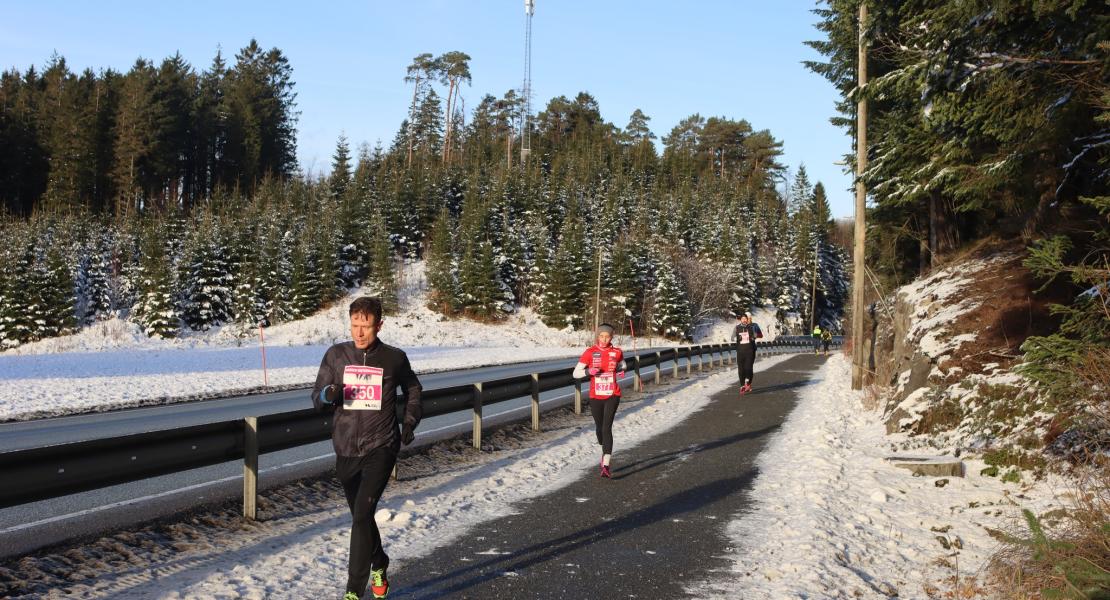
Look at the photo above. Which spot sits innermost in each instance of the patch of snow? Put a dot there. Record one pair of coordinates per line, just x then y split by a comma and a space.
833, 519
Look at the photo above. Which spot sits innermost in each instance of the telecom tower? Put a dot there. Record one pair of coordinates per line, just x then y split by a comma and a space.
525, 129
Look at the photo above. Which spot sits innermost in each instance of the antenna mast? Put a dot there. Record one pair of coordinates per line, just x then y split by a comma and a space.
525, 128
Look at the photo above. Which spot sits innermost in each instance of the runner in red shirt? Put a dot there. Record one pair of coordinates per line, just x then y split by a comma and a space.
605, 365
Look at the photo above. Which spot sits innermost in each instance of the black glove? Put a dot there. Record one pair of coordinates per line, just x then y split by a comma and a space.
407, 434
333, 394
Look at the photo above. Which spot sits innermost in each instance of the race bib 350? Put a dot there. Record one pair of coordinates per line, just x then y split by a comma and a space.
362, 388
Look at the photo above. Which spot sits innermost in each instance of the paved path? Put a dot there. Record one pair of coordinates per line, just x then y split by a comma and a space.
657, 526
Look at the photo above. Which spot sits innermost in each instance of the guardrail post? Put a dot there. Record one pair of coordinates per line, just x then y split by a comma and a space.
674, 365
658, 368
535, 401
689, 360
250, 467
701, 360
477, 416
577, 397
638, 384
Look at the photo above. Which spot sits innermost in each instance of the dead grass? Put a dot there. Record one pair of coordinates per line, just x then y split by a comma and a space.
1068, 555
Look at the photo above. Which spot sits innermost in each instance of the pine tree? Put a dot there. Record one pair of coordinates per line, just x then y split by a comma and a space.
154, 312
206, 292
564, 301
306, 291
56, 295
788, 283
442, 266
478, 282
381, 280
671, 313
20, 307
340, 178
96, 285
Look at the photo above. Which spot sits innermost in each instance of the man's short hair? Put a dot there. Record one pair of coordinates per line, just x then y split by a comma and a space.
367, 307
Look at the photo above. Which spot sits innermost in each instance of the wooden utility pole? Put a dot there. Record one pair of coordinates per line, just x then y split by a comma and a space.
813, 290
861, 208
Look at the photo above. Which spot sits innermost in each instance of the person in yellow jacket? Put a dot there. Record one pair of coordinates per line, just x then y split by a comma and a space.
816, 338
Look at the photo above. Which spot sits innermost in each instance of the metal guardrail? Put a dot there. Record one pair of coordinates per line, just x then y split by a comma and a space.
35, 474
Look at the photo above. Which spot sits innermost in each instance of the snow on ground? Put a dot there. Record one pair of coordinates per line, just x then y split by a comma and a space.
833, 519
113, 365
299, 549
830, 519
718, 330
937, 303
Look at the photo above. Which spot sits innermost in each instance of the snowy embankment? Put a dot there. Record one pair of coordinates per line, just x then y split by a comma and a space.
299, 548
834, 519
112, 365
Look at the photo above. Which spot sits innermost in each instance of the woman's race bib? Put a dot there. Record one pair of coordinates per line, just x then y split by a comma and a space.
362, 388
604, 384
745, 337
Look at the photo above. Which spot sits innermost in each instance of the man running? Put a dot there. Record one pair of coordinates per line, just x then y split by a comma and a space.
826, 339
745, 336
605, 364
816, 338
358, 381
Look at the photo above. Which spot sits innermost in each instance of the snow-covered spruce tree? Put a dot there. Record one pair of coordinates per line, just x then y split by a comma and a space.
340, 178
442, 266
54, 283
512, 263
400, 209
126, 253
788, 284
564, 299
305, 288
833, 286
741, 275
94, 287
7, 257
20, 305
325, 253
479, 285
479, 290
279, 275
155, 310
671, 316
205, 294
626, 284
538, 246
381, 280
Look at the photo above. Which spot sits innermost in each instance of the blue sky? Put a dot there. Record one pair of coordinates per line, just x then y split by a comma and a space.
738, 59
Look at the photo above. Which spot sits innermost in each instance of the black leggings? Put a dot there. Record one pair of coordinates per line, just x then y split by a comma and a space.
604, 411
745, 362
364, 479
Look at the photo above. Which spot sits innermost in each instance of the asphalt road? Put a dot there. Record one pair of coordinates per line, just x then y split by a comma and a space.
655, 528
35, 525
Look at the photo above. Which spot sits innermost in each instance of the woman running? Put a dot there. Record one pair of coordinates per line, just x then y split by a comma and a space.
605, 365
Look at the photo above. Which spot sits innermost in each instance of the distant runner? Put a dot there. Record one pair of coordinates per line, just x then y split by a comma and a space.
745, 336
358, 381
826, 339
816, 338
605, 364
